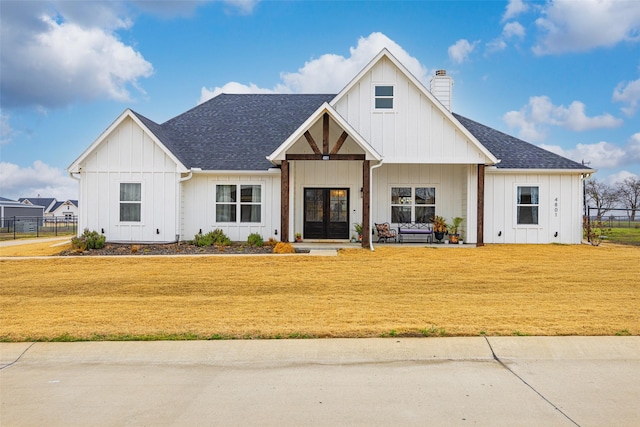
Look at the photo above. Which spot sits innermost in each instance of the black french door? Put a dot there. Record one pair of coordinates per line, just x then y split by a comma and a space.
326, 213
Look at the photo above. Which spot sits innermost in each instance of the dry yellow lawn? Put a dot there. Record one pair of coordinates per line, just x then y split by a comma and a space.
496, 289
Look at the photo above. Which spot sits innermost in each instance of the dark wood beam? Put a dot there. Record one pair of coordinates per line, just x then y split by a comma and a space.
366, 214
359, 157
325, 133
284, 201
480, 232
312, 143
339, 143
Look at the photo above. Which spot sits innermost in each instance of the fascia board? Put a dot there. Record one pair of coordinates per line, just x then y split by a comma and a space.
73, 168
511, 171
491, 159
181, 167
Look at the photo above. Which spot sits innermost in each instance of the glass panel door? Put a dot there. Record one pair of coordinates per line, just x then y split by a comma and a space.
326, 213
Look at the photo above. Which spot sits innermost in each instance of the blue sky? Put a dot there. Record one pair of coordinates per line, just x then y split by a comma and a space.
564, 75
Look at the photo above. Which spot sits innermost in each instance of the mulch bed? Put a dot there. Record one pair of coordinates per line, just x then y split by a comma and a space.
181, 248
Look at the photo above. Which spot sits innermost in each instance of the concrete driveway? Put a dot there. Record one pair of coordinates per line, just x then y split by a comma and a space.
523, 381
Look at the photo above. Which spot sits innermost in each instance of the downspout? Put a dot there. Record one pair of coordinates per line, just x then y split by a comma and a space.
72, 176
179, 204
371, 200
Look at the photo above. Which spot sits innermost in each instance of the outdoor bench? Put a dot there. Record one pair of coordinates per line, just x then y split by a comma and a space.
419, 228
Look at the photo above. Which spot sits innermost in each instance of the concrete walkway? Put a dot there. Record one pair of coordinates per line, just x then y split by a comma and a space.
52, 240
497, 381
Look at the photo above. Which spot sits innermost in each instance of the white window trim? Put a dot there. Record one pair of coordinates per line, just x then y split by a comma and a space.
238, 203
373, 98
141, 222
413, 195
515, 205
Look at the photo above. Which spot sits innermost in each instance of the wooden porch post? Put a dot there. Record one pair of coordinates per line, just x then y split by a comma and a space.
284, 201
480, 231
366, 214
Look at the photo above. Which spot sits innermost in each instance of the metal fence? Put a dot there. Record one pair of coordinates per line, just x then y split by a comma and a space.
17, 227
615, 218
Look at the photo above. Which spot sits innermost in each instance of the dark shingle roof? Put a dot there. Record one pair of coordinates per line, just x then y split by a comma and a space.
235, 132
38, 201
515, 153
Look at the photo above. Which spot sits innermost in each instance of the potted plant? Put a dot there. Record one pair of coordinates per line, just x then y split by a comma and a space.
454, 236
439, 227
298, 237
358, 227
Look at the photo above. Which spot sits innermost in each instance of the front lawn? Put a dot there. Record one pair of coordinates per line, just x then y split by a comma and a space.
492, 290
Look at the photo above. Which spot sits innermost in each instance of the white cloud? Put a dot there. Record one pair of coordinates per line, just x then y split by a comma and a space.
330, 72
514, 8
6, 132
618, 177
243, 6
541, 112
577, 26
602, 155
460, 51
633, 147
509, 31
40, 178
49, 60
628, 93
513, 29
496, 45
231, 87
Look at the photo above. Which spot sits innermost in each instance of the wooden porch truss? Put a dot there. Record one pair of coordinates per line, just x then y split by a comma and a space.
325, 154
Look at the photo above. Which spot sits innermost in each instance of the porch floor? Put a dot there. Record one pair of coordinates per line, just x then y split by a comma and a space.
348, 245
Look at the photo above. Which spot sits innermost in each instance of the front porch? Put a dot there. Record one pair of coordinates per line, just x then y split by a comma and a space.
325, 246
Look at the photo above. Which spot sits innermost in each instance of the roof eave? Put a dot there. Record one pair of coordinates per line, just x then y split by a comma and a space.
554, 171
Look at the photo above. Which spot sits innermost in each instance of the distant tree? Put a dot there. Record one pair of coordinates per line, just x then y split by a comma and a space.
629, 195
600, 196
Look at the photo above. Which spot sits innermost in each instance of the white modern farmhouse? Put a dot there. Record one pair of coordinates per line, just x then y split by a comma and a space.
384, 149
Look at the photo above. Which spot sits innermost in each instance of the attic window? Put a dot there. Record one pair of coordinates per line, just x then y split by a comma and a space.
384, 97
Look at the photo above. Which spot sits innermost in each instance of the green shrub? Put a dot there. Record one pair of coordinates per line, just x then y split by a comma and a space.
88, 240
255, 239
215, 237
203, 239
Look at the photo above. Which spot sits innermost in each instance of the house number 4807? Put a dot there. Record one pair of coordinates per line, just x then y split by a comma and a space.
555, 206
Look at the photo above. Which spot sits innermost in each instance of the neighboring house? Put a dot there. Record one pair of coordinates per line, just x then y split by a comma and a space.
67, 209
384, 149
12, 212
53, 208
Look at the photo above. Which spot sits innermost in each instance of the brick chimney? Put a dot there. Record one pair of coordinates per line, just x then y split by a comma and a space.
442, 88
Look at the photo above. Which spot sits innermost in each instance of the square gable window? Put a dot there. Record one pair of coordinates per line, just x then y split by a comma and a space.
384, 97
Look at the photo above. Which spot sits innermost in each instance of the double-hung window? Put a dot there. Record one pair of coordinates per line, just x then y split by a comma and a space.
130, 201
383, 95
413, 204
243, 202
528, 202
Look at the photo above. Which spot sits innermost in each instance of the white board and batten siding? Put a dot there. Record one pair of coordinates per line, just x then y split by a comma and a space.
414, 131
315, 174
199, 205
559, 210
129, 155
455, 192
